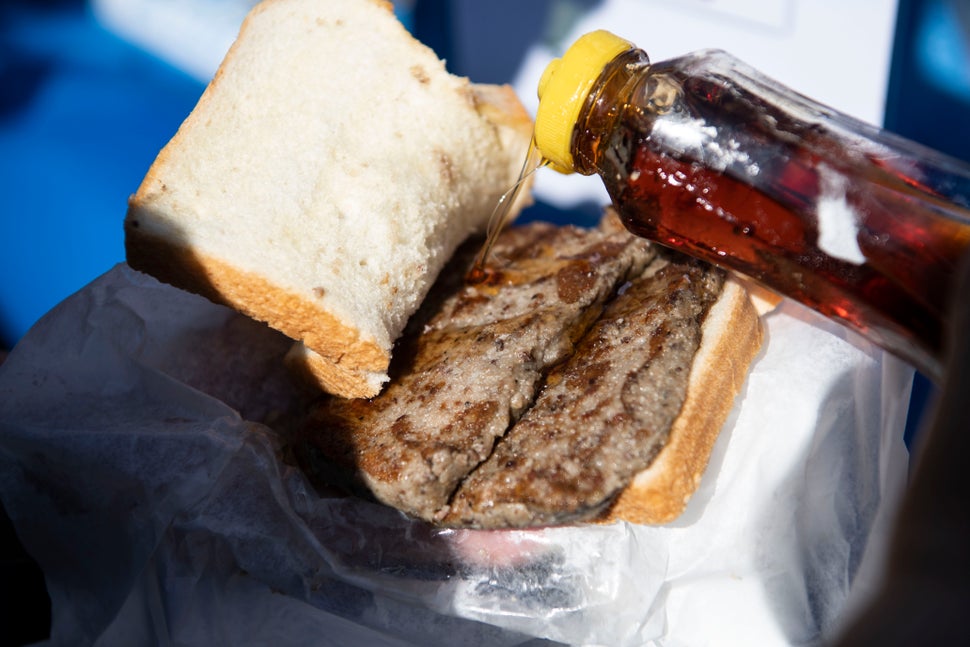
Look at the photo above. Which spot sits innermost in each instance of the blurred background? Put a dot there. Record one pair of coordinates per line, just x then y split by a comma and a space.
91, 90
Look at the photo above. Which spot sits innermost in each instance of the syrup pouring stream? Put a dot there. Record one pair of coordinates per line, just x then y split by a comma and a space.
503, 208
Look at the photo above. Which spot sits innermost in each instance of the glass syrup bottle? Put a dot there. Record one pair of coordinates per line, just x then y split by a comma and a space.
705, 154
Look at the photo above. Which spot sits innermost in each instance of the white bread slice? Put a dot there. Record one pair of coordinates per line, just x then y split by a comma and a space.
731, 339
327, 173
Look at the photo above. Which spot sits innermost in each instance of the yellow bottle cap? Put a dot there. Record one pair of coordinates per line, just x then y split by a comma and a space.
563, 88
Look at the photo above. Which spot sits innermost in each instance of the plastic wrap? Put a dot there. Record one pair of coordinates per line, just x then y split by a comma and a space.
142, 466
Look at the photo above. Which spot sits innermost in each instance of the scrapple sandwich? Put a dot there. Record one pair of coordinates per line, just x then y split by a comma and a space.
326, 183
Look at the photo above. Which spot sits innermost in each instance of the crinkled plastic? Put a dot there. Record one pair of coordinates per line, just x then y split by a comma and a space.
141, 465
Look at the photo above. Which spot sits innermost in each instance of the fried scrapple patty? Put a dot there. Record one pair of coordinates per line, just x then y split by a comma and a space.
472, 365
604, 413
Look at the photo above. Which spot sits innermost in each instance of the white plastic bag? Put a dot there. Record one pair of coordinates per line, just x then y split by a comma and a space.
139, 470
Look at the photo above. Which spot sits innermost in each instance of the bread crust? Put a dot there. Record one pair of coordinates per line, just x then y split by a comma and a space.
732, 339
333, 377
256, 297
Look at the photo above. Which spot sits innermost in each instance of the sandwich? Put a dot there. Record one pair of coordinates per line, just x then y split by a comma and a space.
333, 181
326, 175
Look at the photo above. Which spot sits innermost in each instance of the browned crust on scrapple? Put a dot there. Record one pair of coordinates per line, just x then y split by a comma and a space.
660, 493
257, 297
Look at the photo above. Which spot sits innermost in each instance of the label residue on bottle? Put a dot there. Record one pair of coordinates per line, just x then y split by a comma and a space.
838, 222
695, 138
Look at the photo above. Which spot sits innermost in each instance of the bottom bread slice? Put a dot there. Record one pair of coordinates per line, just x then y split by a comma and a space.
732, 339
552, 395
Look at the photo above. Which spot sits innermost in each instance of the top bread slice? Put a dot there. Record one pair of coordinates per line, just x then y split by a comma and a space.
328, 172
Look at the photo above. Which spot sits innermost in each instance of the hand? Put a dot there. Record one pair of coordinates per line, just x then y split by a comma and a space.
925, 598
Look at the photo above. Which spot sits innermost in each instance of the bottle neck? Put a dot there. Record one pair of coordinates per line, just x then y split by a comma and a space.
606, 103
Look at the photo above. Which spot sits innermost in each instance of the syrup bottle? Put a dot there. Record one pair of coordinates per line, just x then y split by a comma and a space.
705, 154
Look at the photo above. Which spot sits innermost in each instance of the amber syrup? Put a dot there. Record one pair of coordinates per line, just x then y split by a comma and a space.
767, 227
480, 272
